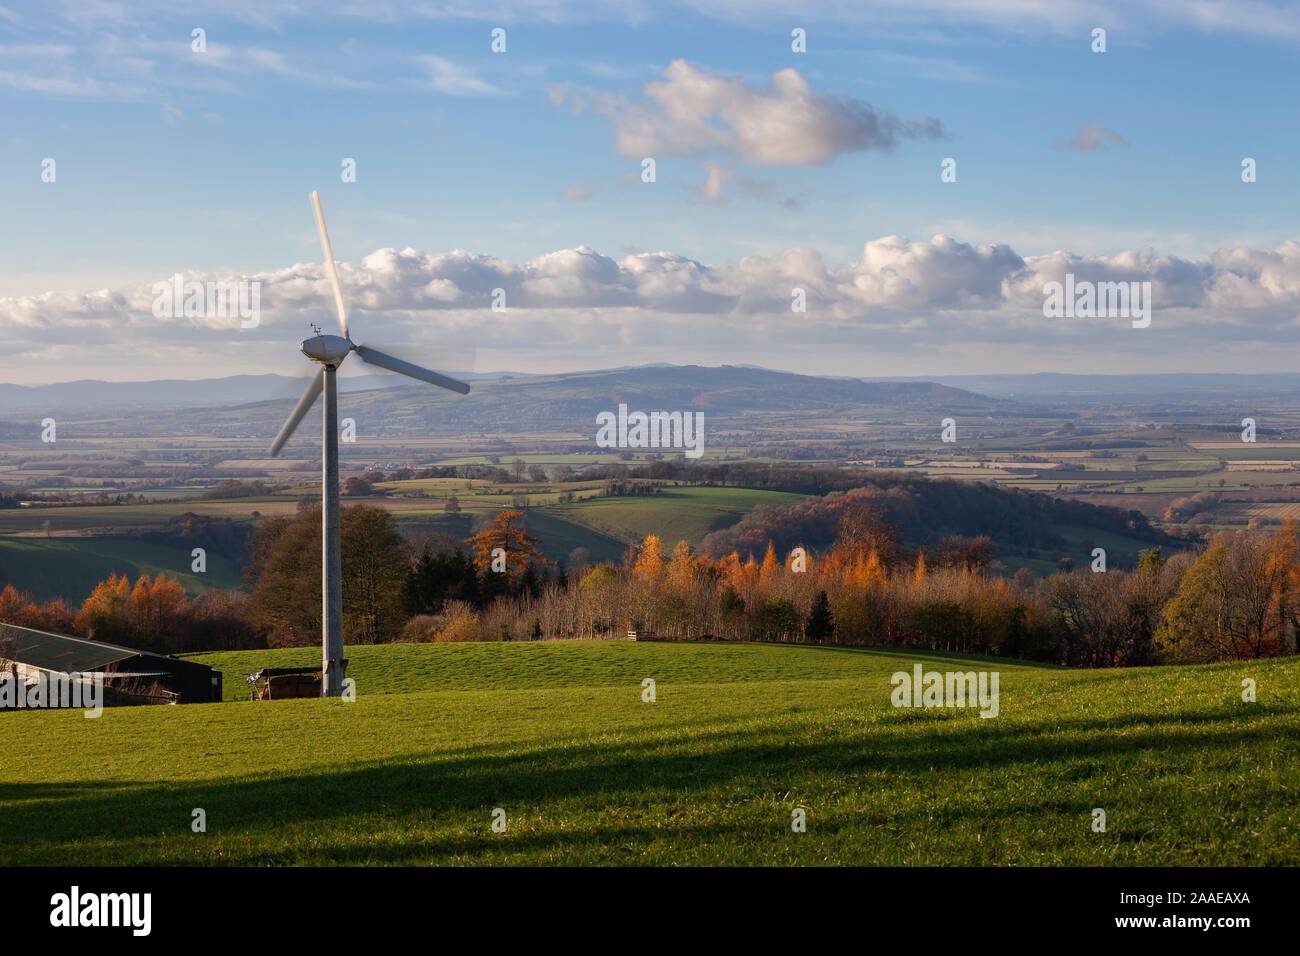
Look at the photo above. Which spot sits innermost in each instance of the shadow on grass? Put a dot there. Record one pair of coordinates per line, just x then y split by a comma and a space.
313, 812
923, 655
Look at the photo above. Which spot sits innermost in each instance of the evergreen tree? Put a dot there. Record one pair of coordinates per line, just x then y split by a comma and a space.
820, 625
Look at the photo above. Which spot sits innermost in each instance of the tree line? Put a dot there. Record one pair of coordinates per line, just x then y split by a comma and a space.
1237, 597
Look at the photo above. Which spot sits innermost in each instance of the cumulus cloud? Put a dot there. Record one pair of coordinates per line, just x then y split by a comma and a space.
691, 111
937, 290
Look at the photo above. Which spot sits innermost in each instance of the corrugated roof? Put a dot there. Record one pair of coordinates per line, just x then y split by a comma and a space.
58, 652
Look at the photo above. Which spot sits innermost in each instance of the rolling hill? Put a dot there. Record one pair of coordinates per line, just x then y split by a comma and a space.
70, 567
675, 514
739, 736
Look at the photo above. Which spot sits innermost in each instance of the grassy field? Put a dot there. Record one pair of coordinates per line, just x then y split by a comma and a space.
70, 568
675, 514
557, 735
102, 519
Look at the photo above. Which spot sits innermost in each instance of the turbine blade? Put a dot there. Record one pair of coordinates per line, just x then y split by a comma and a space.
402, 367
302, 408
330, 267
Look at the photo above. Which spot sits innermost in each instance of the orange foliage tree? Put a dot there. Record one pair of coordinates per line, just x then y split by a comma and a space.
518, 549
19, 609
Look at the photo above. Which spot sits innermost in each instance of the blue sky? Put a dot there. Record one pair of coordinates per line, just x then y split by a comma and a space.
170, 160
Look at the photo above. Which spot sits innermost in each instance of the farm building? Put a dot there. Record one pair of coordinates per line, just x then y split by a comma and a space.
130, 676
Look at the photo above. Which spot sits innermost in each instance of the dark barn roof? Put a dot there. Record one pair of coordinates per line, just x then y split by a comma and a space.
58, 652
192, 681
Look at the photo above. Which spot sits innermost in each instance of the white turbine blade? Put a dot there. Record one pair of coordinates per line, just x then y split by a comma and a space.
329, 263
402, 367
302, 408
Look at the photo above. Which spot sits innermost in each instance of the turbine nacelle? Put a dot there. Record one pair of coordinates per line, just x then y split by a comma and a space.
327, 349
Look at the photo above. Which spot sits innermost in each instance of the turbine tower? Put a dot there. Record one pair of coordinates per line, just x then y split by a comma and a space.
329, 351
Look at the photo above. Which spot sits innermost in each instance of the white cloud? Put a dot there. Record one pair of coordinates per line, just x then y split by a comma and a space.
65, 71
455, 79
933, 68
915, 294
693, 112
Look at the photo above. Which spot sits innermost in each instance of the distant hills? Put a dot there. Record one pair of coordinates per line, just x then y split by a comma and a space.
514, 403
505, 403
1064, 387
672, 386
175, 392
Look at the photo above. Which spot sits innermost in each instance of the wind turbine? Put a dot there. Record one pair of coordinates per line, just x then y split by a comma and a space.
329, 351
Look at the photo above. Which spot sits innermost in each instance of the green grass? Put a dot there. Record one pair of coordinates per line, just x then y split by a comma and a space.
675, 514
559, 537
407, 668
104, 518
1121, 547
558, 736
70, 568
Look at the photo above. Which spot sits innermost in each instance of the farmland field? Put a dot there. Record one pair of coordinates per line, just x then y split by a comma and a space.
559, 537
675, 514
69, 568
558, 736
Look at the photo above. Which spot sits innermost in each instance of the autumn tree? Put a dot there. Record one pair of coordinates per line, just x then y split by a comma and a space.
1235, 601
286, 593
968, 554
356, 486
285, 572
159, 609
1110, 619
374, 575
681, 569
770, 568
19, 609
105, 615
864, 529
505, 539
601, 601
649, 566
